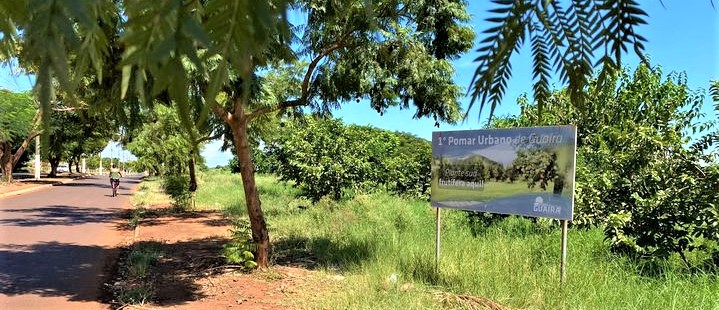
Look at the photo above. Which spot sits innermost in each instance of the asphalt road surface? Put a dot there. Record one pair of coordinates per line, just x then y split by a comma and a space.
56, 244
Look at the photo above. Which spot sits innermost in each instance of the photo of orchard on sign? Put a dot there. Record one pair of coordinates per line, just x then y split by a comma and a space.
521, 171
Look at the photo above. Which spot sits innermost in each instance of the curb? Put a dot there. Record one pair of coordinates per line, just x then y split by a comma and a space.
39, 187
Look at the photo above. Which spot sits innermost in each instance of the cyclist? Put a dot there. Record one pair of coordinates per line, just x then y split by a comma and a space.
115, 176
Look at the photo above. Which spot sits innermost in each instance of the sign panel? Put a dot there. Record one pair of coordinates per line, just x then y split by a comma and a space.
522, 171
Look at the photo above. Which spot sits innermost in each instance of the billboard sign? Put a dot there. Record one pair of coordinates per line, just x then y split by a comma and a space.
522, 171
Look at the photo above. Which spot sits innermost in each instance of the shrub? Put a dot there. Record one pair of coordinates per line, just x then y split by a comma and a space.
637, 175
178, 188
324, 157
239, 250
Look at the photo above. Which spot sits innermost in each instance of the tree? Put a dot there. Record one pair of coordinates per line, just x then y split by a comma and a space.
639, 173
159, 145
71, 134
343, 47
536, 166
324, 157
18, 126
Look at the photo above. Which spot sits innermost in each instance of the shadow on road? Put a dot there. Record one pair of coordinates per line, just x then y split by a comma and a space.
60, 215
54, 269
107, 186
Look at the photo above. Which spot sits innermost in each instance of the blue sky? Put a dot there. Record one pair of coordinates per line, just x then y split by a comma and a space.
682, 36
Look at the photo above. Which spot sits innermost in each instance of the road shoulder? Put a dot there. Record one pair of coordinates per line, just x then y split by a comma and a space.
25, 186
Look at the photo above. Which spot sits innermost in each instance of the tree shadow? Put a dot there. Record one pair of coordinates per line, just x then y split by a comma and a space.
60, 215
174, 276
321, 252
98, 185
53, 269
162, 216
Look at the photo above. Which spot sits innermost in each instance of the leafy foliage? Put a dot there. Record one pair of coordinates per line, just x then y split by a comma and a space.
536, 166
17, 125
70, 134
17, 111
263, 160
325, 157
638, 173
160, 145
563, 37
177, 187
239, 250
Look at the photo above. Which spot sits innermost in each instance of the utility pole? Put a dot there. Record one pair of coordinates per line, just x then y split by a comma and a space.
37, 158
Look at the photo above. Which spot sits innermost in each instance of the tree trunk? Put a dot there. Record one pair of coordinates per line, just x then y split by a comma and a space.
77, 165
193, 177
54, 162
6, 160
252, 196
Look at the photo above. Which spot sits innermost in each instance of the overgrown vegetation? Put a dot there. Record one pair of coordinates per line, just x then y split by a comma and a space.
134, 285
647, 169
239, 250
177, 187
514, 262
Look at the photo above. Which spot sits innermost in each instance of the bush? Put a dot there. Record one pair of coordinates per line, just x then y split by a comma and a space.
239, 250
263, 161
324, 157
636, 174
178, 188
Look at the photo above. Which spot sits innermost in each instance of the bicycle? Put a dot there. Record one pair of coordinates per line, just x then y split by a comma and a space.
115, 184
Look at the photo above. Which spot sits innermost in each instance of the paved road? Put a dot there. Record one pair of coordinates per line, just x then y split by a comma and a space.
56, 244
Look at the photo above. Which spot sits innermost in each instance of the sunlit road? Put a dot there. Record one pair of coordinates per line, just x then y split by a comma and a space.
56, 243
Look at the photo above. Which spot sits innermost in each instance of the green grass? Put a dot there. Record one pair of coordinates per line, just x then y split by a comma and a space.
135, 288
515, 262
140, 259
150, 193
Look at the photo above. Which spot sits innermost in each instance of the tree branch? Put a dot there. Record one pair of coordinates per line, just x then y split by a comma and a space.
281, 106
68, 109
311, 68
305, 83
23, 146
208, 138
221, 113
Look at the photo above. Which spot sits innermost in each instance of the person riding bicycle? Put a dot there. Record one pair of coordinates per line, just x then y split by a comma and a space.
115, 176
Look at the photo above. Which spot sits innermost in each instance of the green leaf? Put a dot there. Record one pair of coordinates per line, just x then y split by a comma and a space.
126, 72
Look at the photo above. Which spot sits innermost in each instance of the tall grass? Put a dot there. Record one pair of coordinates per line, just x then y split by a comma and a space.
515, 262
150, 193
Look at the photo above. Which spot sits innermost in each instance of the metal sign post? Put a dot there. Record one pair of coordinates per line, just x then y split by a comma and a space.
563, 263
37, 158
436, 256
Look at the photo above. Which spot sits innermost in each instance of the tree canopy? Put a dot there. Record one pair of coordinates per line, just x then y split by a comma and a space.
646, 168
18, 124
17, 111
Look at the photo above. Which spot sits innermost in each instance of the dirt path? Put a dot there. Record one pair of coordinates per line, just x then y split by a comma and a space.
191, 274
55, 244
